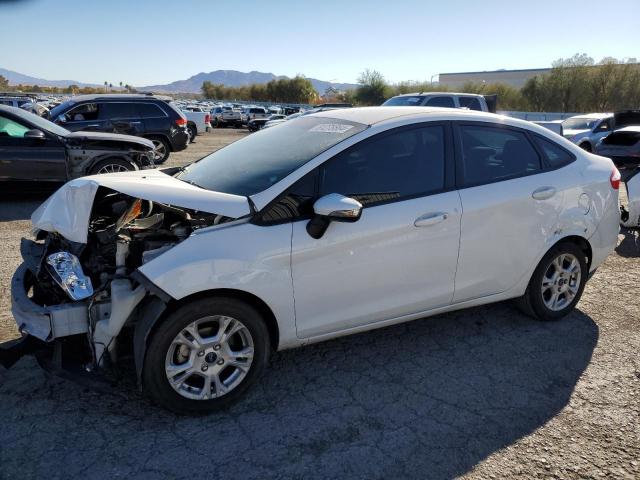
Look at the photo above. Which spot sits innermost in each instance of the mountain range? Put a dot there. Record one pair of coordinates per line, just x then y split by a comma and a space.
229, 78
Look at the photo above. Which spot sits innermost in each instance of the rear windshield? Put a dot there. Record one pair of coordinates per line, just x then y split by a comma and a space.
411, 101
579, 123
257, 162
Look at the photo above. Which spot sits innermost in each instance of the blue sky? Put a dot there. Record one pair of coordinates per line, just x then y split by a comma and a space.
148, 42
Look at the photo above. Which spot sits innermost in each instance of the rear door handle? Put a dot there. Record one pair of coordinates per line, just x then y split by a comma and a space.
429, 219
543, 193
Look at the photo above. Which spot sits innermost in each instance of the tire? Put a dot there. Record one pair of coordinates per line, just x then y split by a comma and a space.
538, 298
163, 148
167, 352
112, 165
586, 147
193, 132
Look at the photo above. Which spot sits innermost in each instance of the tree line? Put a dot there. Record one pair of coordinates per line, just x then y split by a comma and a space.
70, 89
575, 84
284, 90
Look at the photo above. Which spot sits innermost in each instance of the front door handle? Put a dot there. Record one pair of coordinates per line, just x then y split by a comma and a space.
543, 193
429, 219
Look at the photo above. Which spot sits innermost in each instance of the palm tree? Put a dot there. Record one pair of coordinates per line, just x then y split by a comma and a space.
105, 86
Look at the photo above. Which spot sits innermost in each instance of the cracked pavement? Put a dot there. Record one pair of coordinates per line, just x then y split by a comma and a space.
479, 393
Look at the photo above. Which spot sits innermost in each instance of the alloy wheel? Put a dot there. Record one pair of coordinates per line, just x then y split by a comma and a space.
209, 357
113, 168
561, 282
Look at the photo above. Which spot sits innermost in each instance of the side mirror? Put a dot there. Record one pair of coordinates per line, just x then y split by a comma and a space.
35, 134
62, 118
332, 208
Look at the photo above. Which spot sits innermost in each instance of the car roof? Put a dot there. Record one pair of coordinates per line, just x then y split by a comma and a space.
592, 115
118, 96
373, 115
425, 94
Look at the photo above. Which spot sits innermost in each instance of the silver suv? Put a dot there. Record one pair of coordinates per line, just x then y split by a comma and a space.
470, 101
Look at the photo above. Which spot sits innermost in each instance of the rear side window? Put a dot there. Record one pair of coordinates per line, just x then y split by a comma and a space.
440, 102
472, 103
118, 110
388, 167
490, 154
150, 110
556, 156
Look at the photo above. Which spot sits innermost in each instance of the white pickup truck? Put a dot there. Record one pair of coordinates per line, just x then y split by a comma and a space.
198, 120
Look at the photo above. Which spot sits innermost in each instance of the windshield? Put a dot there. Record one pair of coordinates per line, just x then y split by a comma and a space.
257, 162
579, 123
410, 101
42, 123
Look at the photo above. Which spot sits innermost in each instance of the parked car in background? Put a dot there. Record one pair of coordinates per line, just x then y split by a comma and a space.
622, 146
587, 130
441, 99
335, 223
277, 121
258, 123
254, 113
198, 120
630, 213
28, 102
227, 116
147, 116
33, 149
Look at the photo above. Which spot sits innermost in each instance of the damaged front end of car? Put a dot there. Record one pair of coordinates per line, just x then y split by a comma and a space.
78, 299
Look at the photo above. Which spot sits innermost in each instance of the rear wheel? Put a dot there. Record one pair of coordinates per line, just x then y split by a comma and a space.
112, 165
192, 132
162, 149
586, 146
205, 355
557, 283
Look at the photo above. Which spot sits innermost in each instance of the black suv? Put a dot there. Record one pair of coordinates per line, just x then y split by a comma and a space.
143, 115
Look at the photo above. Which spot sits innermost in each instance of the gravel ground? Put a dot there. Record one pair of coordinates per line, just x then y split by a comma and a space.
482, 393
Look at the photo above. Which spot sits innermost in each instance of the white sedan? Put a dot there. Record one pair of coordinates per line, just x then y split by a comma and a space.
339, 222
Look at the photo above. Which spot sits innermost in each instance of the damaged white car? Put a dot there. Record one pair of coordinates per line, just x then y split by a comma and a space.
340, 222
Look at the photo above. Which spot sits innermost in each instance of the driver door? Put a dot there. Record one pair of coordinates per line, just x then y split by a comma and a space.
400, 257
29, 159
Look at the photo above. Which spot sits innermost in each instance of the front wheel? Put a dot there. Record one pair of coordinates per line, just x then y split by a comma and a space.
557, 283
205, 355
112, 165
162, 150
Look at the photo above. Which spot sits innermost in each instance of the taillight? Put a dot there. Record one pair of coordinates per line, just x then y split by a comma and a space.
207, 118
615, 179
181, 121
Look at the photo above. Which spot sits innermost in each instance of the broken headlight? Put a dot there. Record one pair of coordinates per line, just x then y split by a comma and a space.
66, 270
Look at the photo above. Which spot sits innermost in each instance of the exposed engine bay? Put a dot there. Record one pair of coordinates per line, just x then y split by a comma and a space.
90, 290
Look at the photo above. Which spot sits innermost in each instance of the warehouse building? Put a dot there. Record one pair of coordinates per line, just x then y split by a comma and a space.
515, 78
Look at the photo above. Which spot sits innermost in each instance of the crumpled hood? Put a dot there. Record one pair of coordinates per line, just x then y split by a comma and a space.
68, 210
116, 137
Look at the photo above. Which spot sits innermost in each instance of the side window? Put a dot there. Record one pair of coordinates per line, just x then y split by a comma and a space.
556, 156
118, 110
472, 103
405, 163
295, 203
490, 154
149, 110
11, 128
440, 102
603, 127
83, 113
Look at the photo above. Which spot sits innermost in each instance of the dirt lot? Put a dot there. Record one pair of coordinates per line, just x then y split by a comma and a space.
482, 393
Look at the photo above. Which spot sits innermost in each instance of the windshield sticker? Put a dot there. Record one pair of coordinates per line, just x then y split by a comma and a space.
331, 128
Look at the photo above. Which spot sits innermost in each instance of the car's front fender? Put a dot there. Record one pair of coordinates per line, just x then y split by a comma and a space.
243, 256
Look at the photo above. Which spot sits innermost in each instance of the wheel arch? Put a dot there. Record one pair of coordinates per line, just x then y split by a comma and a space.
581, 242
161, 136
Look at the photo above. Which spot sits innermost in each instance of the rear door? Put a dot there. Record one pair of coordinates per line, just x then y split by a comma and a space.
511, 207
29, 159
400, 257
121, 117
